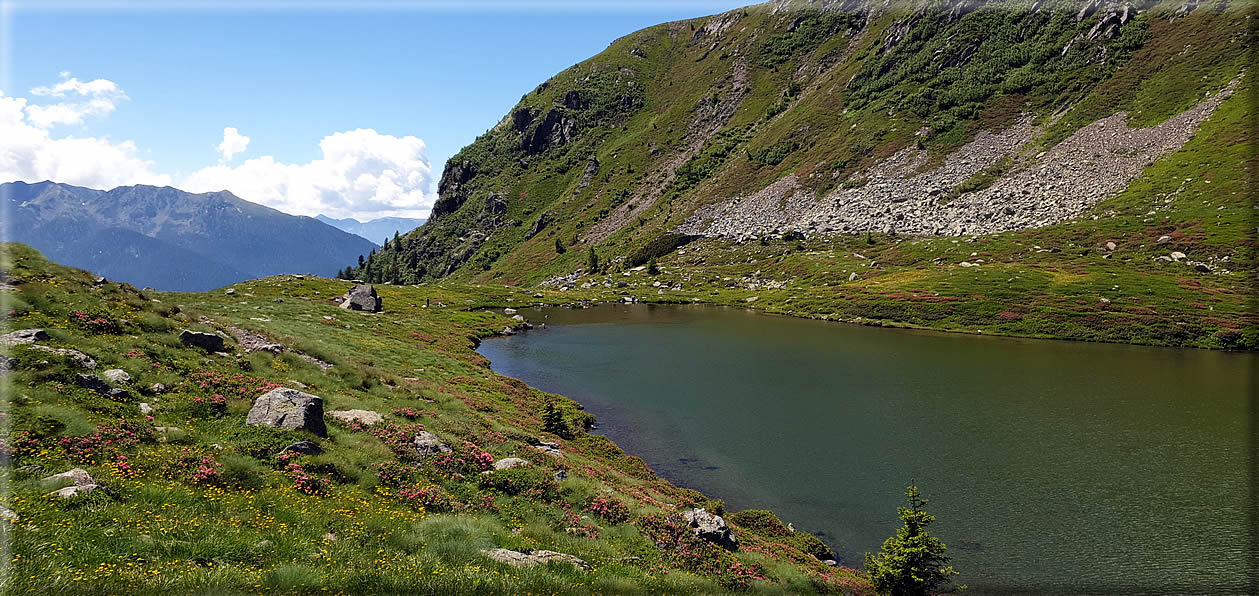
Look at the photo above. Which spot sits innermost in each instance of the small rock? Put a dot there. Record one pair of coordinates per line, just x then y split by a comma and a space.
1111, 246
7, 365
1177, 256
92, 382
230, 291
364, 416
71, 491
831, 563
77, 476
145, 408
1202, 267
508, 463
206, 341
79, 357
157, 388
7, 514
853, 276
117, 375
263, 545
23, 336
1104, 302
427, 444
303, 448
509, 311
559, 476
1164, 239
531, 558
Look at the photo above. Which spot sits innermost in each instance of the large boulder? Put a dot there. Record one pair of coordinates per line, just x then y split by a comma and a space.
428, 445
363, 416
709, 527
362, 297
78, 480
532, 558
206, 341
96, 384
289, 409
23, 336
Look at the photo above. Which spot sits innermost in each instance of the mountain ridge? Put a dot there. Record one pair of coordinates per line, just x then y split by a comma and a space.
172, 239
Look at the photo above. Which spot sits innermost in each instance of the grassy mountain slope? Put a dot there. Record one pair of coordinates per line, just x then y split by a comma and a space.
191, 499
617, 153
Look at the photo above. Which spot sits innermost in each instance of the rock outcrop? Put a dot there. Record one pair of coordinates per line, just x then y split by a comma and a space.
362, 297
708, 527
360, 416
206, 341
23, 336
532, 558
289, 409
79, 357
428, 445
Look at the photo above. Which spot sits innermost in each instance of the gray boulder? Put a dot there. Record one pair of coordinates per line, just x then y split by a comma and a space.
708, 527
362, 297
303, 448
95, 383
508, 463
532, 558
23, 336
79, 357
7, 365
289, 409
206, 341
427, 444
363, 416
75, 476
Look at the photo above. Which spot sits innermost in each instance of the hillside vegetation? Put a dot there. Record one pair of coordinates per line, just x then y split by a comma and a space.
183, 496
1048, 169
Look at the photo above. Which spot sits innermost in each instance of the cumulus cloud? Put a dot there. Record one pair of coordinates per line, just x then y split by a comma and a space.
98, 98
233, 143
29, 153
362, 174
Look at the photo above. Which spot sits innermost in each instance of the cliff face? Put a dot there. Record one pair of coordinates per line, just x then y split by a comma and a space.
932, 118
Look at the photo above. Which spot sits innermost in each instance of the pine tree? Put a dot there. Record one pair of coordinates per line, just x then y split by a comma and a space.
912, 563
559, 247
652, 269
360, 261
592, 261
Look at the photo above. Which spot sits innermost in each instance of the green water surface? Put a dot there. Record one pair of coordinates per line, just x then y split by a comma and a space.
1052, 466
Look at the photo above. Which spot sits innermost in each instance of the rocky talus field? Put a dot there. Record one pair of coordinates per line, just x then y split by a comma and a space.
1045, 169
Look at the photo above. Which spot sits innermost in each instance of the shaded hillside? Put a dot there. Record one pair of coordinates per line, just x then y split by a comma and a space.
804, 106
170, 239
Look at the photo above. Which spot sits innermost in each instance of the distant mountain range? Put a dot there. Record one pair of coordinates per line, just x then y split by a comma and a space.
376, 230
170, 239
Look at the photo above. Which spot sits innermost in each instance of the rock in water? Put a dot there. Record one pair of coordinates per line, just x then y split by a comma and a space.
206, 341
289, 409
709, 527
362, 297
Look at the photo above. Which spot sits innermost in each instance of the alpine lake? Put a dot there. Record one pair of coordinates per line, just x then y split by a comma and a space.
1052, 466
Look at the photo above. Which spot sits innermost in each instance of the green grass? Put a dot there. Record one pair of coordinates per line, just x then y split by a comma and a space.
249, 526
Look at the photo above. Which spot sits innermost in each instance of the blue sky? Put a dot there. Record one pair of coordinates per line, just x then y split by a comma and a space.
287, 77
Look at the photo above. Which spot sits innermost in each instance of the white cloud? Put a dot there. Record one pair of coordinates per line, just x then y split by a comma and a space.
29, 153
98, 97
362, 174
233, 143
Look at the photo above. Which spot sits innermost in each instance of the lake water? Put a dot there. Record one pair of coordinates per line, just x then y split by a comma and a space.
1050, 465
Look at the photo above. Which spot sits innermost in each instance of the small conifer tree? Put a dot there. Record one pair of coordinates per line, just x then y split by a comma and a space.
911, 563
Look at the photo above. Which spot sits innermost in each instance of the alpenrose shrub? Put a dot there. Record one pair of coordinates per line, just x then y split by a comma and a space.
210, 382
527, 481
681, 548
107, 441
610, 509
